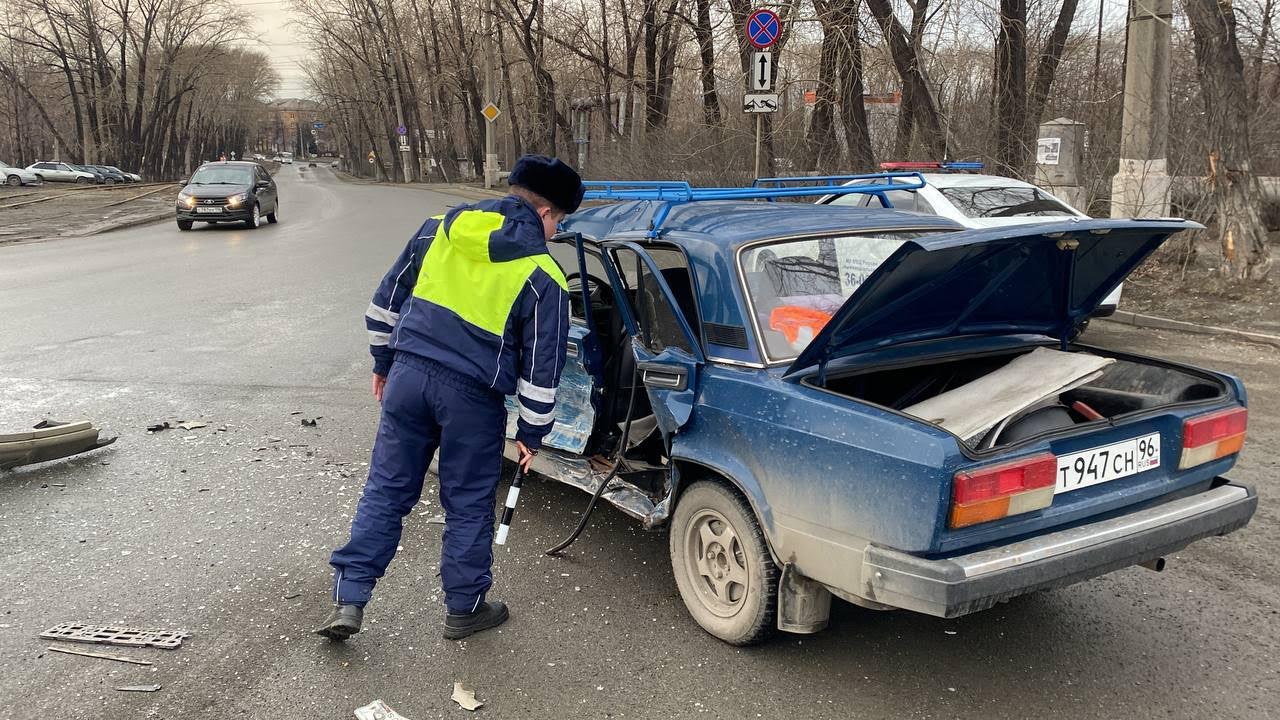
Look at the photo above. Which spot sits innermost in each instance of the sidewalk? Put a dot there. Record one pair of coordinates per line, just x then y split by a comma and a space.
470, 191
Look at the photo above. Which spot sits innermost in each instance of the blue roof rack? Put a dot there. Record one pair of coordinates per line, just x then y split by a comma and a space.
672, 192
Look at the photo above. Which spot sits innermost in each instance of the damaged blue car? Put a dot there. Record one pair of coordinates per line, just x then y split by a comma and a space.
876, 405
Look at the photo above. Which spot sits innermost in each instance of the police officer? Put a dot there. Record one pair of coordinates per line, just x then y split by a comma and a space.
472, 311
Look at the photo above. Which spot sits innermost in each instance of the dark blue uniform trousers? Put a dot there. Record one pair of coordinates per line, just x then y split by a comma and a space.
426, 406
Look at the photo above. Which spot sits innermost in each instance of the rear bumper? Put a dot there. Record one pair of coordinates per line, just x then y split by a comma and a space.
969, 583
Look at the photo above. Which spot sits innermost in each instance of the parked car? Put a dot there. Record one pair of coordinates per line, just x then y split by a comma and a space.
15, 176
53, 171
111, 176
228, 191
99, 177
975, 201
812, 411
128, 176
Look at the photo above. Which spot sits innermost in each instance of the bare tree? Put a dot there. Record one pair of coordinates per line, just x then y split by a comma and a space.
1235, 189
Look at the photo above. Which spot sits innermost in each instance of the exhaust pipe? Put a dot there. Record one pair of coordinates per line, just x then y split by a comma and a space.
1156, 564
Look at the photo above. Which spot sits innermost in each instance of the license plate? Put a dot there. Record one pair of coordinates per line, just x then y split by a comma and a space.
208, 209
1107, 463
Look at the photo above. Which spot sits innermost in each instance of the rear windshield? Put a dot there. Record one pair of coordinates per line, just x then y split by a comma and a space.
222, 175
998, 202
795, 286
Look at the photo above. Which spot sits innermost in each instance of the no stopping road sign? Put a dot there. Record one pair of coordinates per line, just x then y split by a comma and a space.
763, 28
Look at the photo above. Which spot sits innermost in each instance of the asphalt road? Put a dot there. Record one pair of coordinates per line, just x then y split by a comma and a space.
224, 530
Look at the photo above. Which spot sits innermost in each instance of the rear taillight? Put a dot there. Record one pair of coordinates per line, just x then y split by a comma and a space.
988, 493
1209, 437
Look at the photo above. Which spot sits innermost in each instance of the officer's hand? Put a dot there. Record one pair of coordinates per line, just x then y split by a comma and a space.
526, 456
379, 384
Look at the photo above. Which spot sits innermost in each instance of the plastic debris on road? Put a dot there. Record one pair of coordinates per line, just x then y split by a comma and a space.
465, 698
138, 688
378, 710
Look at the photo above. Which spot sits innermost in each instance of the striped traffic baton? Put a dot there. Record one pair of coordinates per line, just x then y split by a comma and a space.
505, 526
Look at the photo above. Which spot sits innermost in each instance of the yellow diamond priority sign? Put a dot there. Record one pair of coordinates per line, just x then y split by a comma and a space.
490, 112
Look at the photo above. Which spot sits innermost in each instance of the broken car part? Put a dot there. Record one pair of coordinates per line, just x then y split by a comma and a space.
617, 463
112, 635
49, 440
103, 656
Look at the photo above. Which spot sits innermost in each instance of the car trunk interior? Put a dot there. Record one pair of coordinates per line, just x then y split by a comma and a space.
1119, 387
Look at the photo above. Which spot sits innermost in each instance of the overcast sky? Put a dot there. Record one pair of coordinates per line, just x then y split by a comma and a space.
278, 38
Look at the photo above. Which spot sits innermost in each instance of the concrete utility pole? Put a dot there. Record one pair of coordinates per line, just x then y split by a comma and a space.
490, 155
1141, 187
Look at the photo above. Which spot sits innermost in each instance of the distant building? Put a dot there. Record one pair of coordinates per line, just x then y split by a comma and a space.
292, 125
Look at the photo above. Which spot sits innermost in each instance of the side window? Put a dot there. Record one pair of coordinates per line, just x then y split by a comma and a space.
909, 201
659, 327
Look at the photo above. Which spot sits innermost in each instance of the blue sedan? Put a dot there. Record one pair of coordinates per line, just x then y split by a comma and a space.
820, 401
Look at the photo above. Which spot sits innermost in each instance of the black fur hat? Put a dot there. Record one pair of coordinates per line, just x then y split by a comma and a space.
550, 178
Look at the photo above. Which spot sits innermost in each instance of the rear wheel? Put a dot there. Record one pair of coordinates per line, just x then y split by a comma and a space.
185, 224
13, 181
722, 566
256, 220
110, 181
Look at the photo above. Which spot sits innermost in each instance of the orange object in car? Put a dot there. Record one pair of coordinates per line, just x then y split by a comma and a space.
797, 323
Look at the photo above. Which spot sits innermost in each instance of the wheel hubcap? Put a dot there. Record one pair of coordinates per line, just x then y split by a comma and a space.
716, 564
255, 216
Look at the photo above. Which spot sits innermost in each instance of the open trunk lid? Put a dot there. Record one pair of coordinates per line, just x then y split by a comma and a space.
1042, 279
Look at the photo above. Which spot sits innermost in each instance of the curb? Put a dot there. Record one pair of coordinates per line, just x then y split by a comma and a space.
125, 223
456, 189
1121, 317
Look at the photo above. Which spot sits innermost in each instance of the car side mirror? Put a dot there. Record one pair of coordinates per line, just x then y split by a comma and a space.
184, 180
263, 184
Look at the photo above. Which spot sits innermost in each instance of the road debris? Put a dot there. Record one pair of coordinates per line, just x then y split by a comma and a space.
466, 698
104, 656
378, 710
192, 425
49, 440
291, 596
113, 635
436, 520
138, 688
158, 427
310, 422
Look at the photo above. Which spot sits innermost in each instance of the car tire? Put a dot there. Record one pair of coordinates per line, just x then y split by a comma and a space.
40, 179
272, 216
722, 565
110, 181
13, 181
82, 181
253, 222
185, 224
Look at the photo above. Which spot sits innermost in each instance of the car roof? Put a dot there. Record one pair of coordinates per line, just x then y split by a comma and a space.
241, 163
950, 180
730, 223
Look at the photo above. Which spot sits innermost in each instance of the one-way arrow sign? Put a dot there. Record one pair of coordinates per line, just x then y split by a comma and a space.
761, 71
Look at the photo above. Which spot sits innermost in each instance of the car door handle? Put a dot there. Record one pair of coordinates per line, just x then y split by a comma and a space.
664, 377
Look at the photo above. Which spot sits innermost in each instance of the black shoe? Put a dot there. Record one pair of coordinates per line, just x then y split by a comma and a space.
490, 615
342, 623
